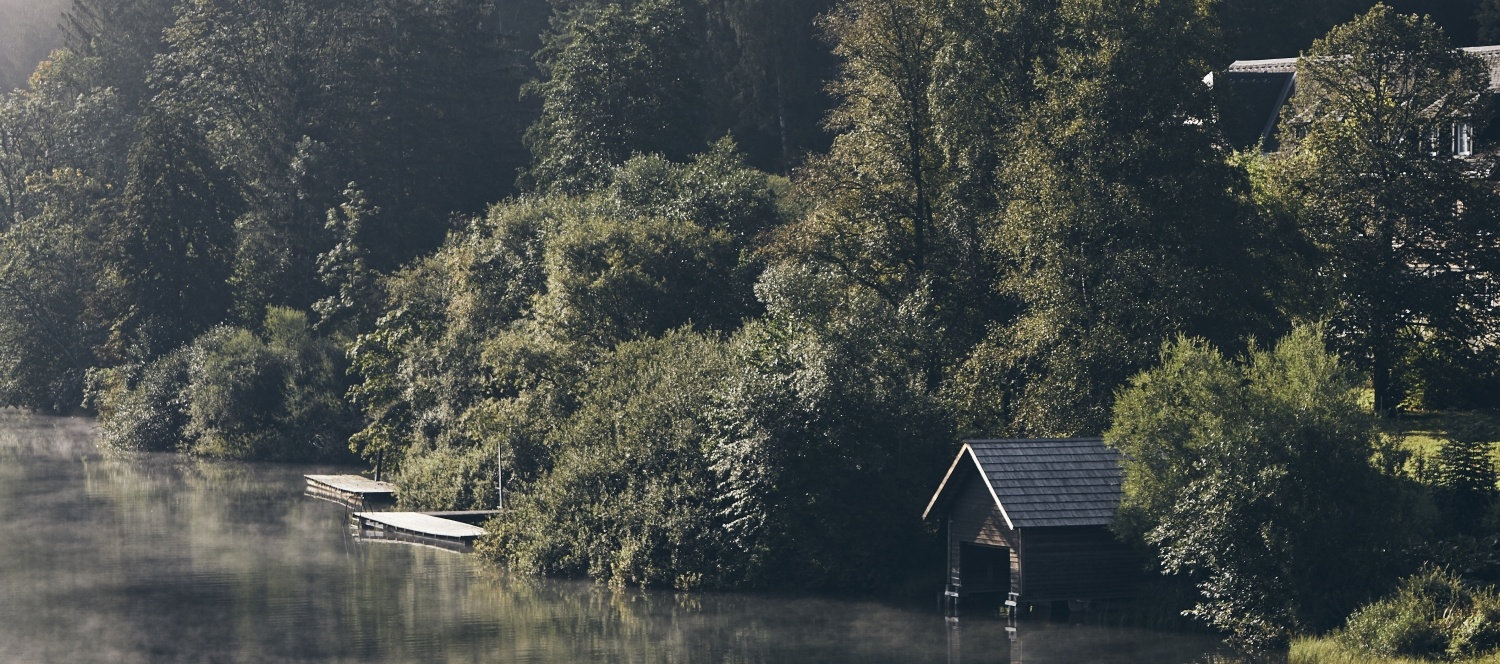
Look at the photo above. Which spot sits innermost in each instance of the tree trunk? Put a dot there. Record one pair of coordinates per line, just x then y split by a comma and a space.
1380, 379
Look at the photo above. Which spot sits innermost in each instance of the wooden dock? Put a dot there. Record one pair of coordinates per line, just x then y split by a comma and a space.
471, 517
351, 490
421, 528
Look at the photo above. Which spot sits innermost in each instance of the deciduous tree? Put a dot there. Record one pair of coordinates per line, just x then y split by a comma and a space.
1124, 222
1405, 230
1254, 480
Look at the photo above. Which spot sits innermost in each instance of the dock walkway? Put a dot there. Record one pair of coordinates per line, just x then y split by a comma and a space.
351, 490
419, 527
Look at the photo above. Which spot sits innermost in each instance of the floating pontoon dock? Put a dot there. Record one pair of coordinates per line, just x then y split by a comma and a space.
421, 528
351, 490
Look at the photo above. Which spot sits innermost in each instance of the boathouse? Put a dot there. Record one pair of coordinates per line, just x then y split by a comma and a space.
1029, 517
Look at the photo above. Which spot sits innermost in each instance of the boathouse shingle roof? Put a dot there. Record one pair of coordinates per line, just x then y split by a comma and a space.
1046, 482
1052, 481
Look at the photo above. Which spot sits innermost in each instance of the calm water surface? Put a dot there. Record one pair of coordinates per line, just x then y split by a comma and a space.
154, 558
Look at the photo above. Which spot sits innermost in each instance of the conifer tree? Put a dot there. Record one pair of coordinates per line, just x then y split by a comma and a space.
1466, 478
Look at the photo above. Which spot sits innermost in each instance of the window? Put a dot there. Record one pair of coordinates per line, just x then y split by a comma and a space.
1463, 139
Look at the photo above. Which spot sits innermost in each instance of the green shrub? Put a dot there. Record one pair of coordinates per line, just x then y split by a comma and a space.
1479, 634
1254, 479
1392, 629
1432, 615
141, 406
448, 478
277, 395
630, 499
233, 393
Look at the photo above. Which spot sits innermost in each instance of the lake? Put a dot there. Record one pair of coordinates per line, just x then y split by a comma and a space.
108, 557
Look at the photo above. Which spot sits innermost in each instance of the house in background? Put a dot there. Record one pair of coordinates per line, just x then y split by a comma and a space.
1252, 94
1028, 519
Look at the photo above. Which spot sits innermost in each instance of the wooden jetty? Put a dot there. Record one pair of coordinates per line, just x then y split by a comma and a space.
351, 490
471, 517
422, 527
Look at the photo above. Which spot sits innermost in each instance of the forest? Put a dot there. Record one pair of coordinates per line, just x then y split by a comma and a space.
716, 287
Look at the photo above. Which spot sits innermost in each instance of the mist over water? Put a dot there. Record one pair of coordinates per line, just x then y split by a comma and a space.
156, 558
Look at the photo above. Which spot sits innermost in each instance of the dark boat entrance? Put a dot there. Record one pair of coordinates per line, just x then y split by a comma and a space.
983, 569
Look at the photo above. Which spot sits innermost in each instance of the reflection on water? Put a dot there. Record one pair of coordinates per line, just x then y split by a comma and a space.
152, 558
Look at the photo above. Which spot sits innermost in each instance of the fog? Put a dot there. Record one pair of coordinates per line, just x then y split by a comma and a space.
149, 558
28, 31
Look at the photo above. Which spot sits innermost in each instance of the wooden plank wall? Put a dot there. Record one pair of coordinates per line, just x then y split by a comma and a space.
1078, 562
973, 517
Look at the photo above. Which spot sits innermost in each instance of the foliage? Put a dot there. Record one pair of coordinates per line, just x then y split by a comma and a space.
1255, 480
232, 393
1466, 478
825, 437
344, 268
1432, 615
629, 499
67, 118
449, 478
1475, 559
1400, 224
1331, 650
59, 296
486, 338
175, 232
904, 200
276, 395
52, 313
1125, 226
1439, 372
123, 35
618, 84
141, 406
767, 67
296, 98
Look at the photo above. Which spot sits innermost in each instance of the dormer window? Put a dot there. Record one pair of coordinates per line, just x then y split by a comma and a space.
1463, 139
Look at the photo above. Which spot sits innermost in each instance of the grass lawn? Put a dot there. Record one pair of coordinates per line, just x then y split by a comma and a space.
1326, 650
1423, 433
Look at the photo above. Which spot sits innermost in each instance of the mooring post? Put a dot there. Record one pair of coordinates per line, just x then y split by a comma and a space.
955, 641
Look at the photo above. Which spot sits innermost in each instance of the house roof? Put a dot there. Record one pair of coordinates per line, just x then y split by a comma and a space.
1251, 105
1254, 91
1489, 54
1041, 482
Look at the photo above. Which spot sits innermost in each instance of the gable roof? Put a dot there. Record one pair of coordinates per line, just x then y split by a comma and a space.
1250, 106
1041, 481
1256, 90
1490, 55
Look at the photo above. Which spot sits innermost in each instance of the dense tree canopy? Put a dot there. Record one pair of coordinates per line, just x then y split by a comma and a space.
618, 84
